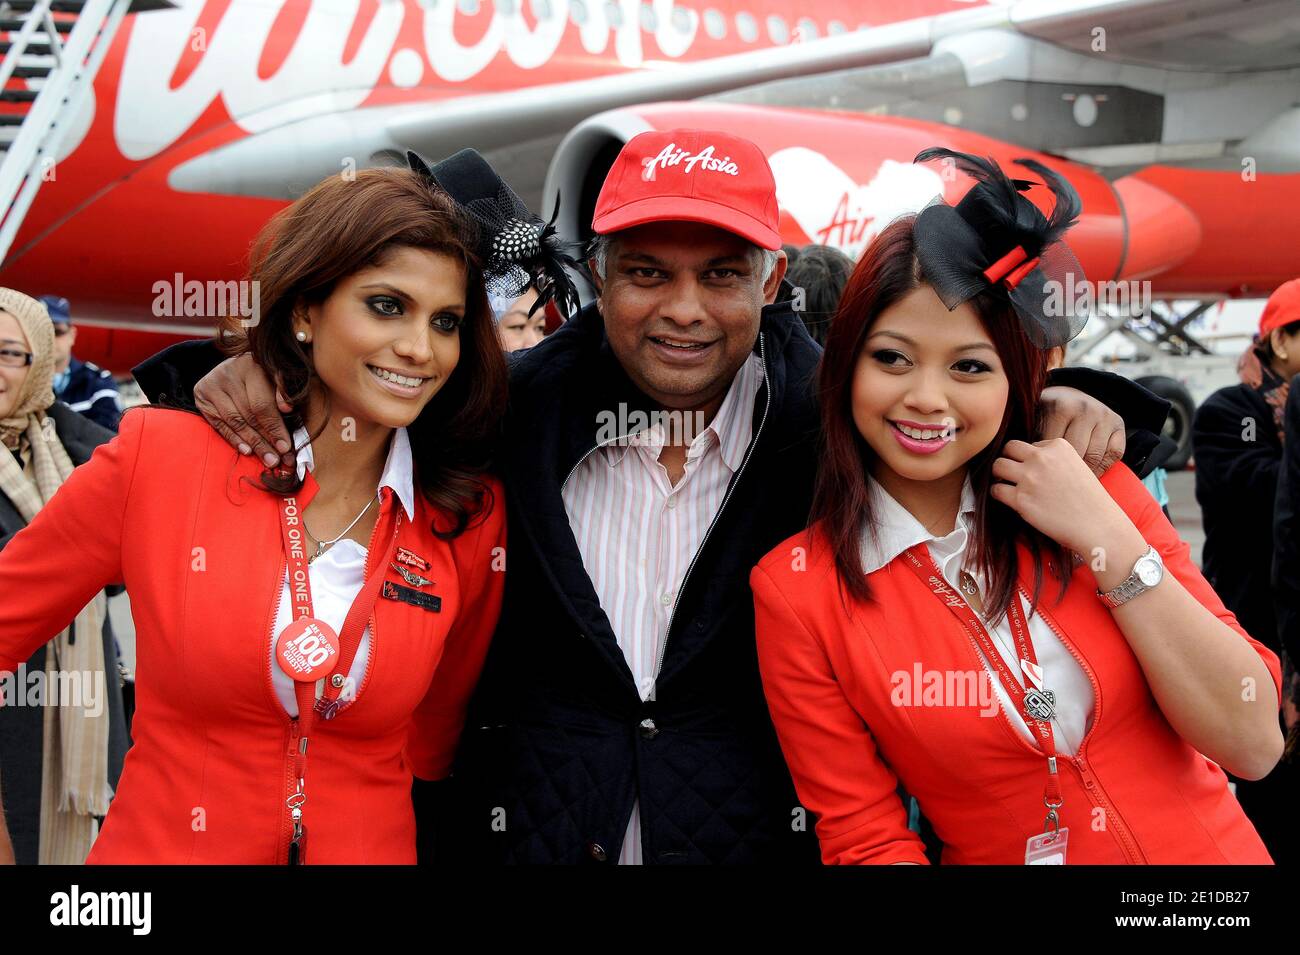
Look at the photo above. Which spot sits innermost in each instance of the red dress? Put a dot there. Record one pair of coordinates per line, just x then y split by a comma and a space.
162, 508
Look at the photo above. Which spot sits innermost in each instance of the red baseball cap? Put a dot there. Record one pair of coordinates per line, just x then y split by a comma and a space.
1283, 307
695, 175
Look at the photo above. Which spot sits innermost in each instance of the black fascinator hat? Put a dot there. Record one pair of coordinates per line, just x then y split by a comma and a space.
995, 238
517, 248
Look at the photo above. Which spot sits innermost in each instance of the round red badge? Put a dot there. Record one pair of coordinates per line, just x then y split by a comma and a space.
307, 649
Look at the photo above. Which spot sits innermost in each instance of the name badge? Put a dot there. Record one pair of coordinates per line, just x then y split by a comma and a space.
429, 602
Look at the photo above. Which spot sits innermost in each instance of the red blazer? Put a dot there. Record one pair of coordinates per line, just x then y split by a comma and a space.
162, 508
1135, 792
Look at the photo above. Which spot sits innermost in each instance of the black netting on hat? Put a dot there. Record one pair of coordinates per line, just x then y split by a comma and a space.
995, 238
517, 248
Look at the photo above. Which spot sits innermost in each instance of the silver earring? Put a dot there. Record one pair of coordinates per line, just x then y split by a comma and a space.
302, 336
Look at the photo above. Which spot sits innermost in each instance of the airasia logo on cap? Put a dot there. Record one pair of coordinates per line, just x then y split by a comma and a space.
671, 156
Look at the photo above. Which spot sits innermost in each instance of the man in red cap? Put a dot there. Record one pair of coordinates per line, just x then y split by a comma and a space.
658, 444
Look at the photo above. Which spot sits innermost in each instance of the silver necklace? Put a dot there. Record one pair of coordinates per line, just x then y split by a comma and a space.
321, 545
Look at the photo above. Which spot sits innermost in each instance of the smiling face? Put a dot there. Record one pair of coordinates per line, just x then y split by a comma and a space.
11, 379
388, 336
929, 390
681, 303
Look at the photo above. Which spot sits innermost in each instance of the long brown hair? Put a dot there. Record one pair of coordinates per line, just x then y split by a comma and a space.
887, 271
338, 227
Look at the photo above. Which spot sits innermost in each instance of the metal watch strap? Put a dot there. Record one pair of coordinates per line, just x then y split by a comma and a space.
1130, 587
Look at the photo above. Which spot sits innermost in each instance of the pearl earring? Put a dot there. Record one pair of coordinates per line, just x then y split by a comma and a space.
302, 336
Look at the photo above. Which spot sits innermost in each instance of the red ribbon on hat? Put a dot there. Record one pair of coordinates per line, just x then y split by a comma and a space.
1011, 269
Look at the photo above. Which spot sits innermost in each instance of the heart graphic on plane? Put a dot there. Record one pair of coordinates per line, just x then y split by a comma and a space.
832, 208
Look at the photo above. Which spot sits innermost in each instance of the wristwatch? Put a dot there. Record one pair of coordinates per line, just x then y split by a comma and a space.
1147, 572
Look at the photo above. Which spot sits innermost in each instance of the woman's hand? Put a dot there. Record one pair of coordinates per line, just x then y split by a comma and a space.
1051, 487
239, 400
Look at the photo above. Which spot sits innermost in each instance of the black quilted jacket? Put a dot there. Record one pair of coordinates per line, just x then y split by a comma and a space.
558, 745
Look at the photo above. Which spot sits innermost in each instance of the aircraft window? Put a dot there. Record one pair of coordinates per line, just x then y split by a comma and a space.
777, 30
506, 7
468, 7
578, 10
649, 19
835, 28
614, 14
808, 29
682, 20
715, 24
747, 27
541, 9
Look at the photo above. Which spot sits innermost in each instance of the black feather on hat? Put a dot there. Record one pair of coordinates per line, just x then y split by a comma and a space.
996, 238
517, 248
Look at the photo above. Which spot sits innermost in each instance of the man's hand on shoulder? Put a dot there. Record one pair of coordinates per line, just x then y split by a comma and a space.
240, 401
1091, 428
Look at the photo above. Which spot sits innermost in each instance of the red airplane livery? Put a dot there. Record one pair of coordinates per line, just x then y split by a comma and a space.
192, 121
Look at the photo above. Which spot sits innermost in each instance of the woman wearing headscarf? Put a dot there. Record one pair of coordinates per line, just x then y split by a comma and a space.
61, 756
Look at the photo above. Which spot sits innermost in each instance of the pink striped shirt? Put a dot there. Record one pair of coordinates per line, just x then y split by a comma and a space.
638, 533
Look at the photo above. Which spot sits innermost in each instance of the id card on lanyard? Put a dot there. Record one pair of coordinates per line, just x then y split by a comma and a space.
308, 649
1037, 704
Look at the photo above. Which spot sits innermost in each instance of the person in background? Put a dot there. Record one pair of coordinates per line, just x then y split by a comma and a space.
81, 385
62, 758
519, 326
1237, 442
821, 272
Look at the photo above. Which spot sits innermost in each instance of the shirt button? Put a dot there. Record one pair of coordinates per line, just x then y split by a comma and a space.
648, 729
666, 599
672, 502
597, 852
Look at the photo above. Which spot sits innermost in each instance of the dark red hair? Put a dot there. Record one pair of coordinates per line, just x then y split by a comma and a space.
887, 271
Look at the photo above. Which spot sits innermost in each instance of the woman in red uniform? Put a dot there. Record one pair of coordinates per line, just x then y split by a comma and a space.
307, 639
935, 627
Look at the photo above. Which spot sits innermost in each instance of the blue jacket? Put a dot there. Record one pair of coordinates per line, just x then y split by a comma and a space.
91, 391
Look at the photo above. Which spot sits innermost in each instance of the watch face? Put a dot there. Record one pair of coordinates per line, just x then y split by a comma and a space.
1148, 572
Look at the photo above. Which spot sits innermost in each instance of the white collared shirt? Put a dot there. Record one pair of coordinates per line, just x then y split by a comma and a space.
337, 575
897, 530
638, 533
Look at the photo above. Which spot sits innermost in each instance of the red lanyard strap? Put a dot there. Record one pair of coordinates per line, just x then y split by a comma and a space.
313, 642
1037, 703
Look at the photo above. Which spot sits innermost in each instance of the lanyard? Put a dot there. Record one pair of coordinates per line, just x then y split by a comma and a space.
1036, 704
308, 649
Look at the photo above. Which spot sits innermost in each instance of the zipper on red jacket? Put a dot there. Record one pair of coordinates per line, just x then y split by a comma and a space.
291, 724
1114, 821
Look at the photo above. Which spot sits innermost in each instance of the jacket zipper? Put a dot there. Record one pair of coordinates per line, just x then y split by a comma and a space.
1123, 835
293, 726
749, 453
291, 723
